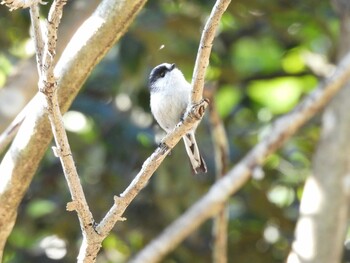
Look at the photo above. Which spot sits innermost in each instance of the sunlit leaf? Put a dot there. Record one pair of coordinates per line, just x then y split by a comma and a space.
136, 239
281, 195
5, 65
145, 139
280, 94
252, 55
293, 62
38, 208
227, 22
113, 242
226, 98
213, 73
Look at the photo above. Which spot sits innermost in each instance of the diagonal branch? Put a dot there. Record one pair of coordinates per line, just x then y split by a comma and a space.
221, 153
87, 47
204, 49
149, 167
211, 203
10, 132
37, 35
193, 115
48, 87
92, 240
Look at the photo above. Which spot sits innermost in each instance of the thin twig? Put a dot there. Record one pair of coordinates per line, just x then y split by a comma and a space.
49, 50
221, 153
87, 47
37, 35
193, 115
10, 132
48, 86
204, 49
211, 203
149, 167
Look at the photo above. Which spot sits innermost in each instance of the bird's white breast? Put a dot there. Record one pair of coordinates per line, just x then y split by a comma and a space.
168, 105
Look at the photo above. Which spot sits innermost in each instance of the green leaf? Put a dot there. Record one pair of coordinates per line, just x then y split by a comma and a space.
40, 207
112, 242
281, 195
280, 94
252, 55
226, 98
144, 139
293, 62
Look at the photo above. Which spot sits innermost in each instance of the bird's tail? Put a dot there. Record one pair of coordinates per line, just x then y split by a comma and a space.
197, 162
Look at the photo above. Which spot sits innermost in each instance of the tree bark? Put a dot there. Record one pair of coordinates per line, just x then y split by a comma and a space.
212, 202
87, 47
324, 209
21, 86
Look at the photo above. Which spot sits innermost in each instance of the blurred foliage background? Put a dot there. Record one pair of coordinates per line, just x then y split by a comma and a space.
260, 67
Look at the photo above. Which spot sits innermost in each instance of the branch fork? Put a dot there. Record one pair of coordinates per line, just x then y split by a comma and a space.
197, 110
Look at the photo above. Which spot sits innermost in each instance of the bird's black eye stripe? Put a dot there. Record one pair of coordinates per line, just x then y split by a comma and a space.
160, 72
157, 73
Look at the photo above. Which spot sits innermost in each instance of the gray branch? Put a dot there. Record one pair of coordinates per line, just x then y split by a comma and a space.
87, 47
211, 203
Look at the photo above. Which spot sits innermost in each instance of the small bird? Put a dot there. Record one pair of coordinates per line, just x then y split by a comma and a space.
170, 96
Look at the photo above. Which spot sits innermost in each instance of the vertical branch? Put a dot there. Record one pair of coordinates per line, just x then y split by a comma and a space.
324, 210
49, 50
37, 35
149, 167
48, 87
204, 49
212, 202
221, 153
87, 47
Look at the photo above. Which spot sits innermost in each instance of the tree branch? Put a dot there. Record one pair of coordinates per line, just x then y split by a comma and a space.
15, 4
221, 153
23, 81
324, 207
10, 132
48, 86
37, 35
211, 203
204, 49
195, 114
90, 43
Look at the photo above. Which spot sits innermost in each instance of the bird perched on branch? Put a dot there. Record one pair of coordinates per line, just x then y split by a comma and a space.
170, 97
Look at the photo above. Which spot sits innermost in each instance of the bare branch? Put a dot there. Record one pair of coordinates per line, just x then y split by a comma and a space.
324, 207
150, 165
221, 153
7, 136
10, 132
37, 35
91, 42
192, 116
49, 50
15, 4
48, 86
204, 50
212, 202
23, 81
